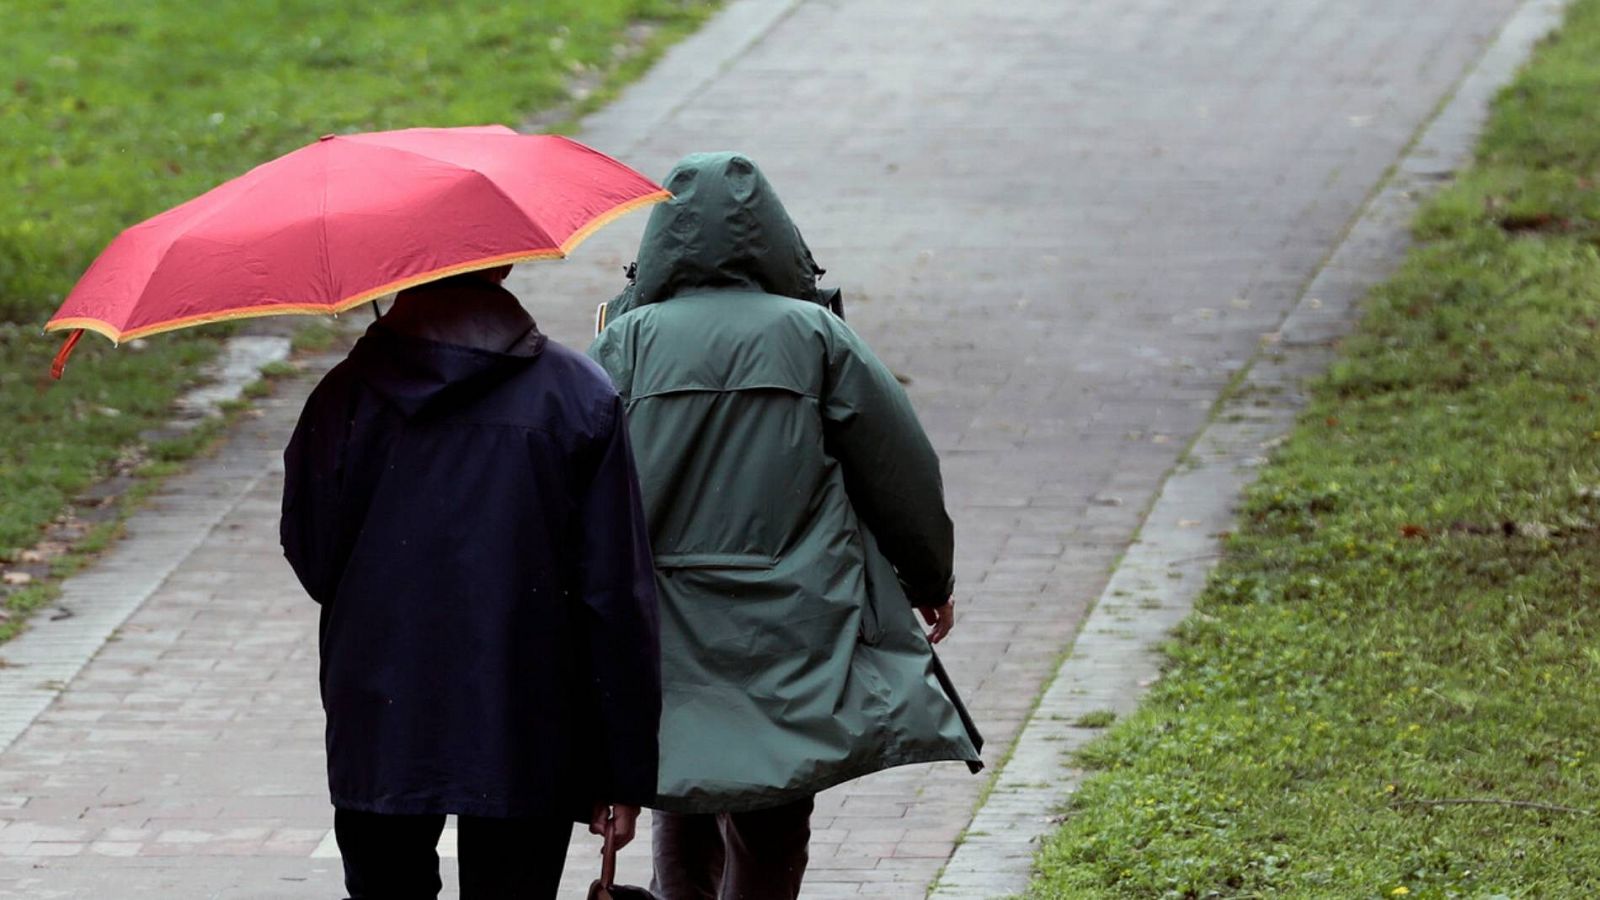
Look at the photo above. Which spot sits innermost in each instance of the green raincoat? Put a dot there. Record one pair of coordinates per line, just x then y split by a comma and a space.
795, 510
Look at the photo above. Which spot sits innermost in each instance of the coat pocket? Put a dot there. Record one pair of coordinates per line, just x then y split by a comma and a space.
871, 615
882, 588
871, 632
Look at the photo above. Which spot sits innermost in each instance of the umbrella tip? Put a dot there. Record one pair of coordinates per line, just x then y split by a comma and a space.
326, 137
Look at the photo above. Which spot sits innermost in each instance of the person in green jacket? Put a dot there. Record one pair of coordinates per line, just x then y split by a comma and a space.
797, 518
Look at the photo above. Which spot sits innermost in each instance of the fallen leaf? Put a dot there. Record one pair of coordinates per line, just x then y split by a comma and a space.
1413, 531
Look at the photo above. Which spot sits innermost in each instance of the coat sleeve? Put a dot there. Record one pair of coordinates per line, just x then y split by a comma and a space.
313, 471
891, 472
619, 593
609, 352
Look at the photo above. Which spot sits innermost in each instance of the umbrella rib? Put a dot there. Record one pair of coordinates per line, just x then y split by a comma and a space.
499, 192
244, 185
322, 228
495, 186
243, 191
479, 172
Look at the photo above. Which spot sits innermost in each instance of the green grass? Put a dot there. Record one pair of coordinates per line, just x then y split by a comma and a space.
1099, 718
315, 336
1406, 616
113, 111
58, 438
166, 458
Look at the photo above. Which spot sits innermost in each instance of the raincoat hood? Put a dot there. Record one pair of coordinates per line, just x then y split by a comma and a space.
416, 375
723, 228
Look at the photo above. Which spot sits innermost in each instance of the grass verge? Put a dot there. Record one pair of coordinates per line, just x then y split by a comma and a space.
112, 111
1388, 687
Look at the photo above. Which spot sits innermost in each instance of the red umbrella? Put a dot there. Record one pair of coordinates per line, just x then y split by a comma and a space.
347, 219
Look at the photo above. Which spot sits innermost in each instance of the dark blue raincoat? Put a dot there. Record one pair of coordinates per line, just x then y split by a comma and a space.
470, 522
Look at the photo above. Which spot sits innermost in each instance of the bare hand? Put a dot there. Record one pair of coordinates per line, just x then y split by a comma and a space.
620, 819
940, 620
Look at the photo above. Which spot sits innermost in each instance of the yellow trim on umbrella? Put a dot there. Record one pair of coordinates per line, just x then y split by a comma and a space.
117, 336
611, 215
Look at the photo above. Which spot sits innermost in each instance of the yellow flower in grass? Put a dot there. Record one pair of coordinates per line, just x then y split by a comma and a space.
1400, 891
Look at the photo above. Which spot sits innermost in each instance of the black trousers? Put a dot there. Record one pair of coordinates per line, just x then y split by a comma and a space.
394, 857
758, 855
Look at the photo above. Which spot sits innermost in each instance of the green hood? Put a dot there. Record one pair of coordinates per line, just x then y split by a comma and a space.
723, 228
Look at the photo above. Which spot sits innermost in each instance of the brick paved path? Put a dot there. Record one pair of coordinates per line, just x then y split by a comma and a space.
1066, 223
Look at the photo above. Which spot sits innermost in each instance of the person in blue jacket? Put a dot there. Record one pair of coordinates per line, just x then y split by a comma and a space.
460, 498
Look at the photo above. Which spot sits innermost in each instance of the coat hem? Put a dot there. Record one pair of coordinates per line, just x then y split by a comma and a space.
771, 797
434, 806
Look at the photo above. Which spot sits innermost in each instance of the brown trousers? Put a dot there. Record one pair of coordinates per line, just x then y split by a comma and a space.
757, 855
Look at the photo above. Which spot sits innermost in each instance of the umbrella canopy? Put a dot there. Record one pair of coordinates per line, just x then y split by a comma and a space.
347, 219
